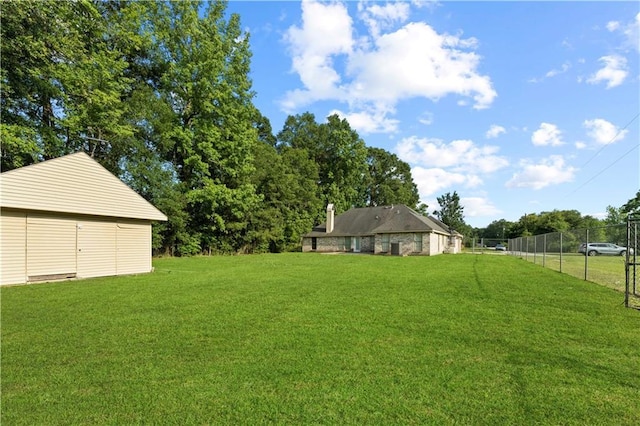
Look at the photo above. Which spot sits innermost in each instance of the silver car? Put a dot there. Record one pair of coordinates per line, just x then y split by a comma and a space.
594, 249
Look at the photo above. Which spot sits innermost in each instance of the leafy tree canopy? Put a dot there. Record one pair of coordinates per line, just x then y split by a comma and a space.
452, 213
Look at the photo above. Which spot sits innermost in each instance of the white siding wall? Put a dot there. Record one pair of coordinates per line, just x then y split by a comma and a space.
36, 246
74, 184
134, 248
435, 245
96, 249
13, 247
51, 246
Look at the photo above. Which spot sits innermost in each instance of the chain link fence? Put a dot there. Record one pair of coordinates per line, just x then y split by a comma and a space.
596, 254
632, 287
488, 245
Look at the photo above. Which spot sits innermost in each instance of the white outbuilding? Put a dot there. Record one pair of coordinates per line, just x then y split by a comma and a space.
71, 218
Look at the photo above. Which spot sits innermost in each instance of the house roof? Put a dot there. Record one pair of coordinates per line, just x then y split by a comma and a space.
75, 184
380, 220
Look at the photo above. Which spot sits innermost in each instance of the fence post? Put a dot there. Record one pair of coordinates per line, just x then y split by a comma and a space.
526, 253
544, 249
586, 253
561, 252
626, 263
635, 254
535, 248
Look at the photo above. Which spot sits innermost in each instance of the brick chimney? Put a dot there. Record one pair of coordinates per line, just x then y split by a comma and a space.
330, 218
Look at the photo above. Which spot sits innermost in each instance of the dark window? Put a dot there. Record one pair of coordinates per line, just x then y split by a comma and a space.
417, 243
385, 243
314, 243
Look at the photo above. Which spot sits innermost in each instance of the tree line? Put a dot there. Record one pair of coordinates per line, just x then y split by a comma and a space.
563, 221
159, 93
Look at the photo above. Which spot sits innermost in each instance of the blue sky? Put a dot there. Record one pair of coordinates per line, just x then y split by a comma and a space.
520, 107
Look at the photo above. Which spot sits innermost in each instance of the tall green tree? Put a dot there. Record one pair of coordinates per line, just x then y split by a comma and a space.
287, 180
339, 152
37, 37
389, 180
526, 225
95, 109
553, 221
615, 216
302, 207
63, 82
208, 118
423, 209
451, 212
500, 229
632, 206
287, 183
155, 178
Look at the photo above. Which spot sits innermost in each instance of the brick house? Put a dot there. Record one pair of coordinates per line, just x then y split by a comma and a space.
395, 229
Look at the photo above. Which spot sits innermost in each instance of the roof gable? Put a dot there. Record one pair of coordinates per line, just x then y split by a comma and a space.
74, 183
381, 220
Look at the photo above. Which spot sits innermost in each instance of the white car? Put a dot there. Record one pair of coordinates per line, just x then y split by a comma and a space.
595, 249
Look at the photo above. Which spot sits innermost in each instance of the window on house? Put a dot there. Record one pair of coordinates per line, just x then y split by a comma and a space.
314, 243
417, 243
385, 243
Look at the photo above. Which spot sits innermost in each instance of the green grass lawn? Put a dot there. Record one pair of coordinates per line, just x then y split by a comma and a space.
605, 270
319, 339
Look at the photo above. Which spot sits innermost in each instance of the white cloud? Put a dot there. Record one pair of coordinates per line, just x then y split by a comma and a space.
433, 180
416, 61
580, 145
366, 122
380, 17
438, 165
614, 71
426, 118
459, 155
495, 131
383, 67
549, 171
478, 206
547, 134
613, 25
429, 4
313, 46
630, 32
552, 73
603, 132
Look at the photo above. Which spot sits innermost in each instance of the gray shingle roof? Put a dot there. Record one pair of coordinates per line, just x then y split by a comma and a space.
380, 220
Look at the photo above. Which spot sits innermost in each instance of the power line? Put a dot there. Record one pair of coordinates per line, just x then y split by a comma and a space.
614, 162
606, 168
612, 139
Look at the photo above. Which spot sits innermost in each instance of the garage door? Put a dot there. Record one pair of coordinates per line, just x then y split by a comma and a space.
134, 248
52, 248
96, 249
13, 250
